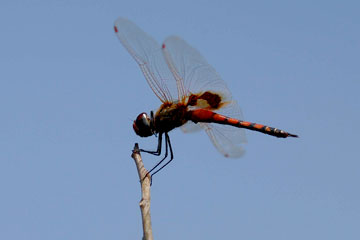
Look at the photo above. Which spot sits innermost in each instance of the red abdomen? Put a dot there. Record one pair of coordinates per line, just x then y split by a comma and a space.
202, 115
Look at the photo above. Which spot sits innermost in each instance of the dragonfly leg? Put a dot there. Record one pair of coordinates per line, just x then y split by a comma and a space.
158, 151
165, 156
167, 142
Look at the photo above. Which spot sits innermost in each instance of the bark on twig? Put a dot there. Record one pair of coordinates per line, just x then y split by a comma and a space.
145, 192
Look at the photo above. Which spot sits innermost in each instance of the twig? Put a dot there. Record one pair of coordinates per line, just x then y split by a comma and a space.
145, 181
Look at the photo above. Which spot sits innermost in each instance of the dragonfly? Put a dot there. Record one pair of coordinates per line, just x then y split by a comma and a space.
192, 93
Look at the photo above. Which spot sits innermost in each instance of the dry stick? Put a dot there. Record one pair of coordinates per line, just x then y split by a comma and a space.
145, 180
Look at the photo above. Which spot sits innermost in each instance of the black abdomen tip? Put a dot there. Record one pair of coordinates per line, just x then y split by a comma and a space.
292, 135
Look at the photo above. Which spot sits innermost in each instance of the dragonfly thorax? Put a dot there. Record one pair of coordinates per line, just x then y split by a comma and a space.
170, 116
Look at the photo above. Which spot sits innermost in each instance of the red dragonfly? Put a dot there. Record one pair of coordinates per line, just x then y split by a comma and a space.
193, 95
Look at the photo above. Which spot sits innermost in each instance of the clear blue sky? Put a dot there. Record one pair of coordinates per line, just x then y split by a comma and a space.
69, 92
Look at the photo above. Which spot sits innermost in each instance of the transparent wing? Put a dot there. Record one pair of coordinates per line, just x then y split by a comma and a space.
147, 53
223, 142
191, 71
194, 75
191, 127
228, 140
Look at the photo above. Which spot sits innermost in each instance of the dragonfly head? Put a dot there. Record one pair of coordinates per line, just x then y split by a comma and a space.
143, 125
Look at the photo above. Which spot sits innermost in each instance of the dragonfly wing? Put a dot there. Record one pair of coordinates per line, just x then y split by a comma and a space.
147, 53
228, 140
194, 75
222, 137
191, 127
191, 71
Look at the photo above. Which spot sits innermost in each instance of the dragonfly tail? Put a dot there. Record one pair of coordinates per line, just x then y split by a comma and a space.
292, 135
203, 115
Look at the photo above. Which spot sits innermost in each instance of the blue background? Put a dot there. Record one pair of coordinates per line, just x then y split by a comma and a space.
69, 92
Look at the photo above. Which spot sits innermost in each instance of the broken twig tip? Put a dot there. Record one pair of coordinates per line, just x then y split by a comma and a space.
136, 149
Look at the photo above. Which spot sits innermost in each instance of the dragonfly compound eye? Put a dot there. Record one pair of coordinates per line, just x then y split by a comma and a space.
142, 125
